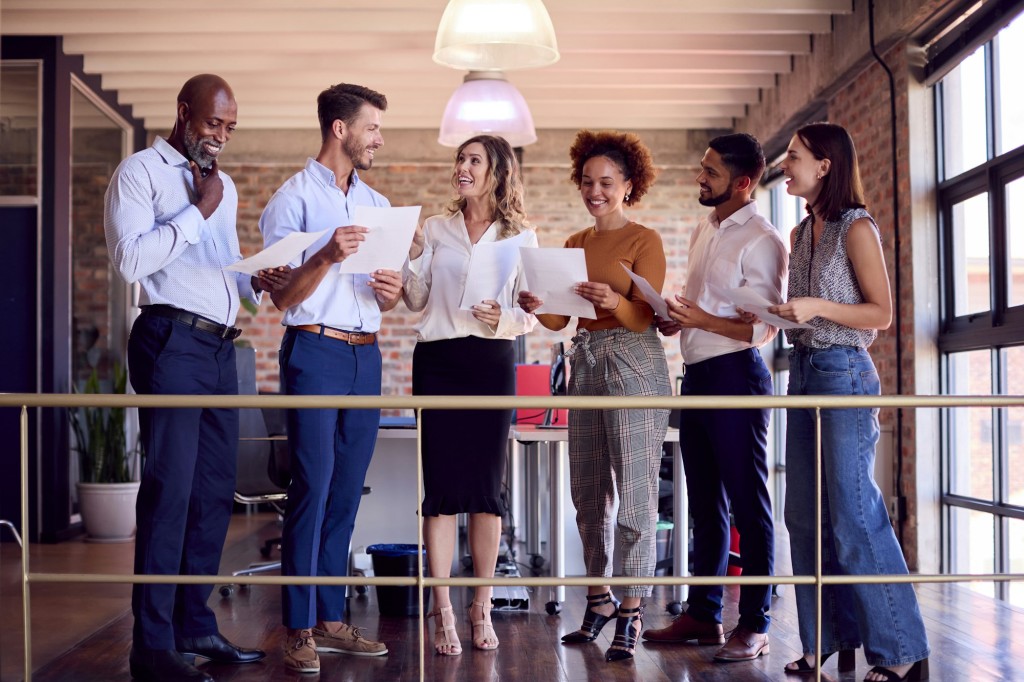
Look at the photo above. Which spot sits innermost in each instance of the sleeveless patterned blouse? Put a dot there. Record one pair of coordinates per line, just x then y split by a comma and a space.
825, 271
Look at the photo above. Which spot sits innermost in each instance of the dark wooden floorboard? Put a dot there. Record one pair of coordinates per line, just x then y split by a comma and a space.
972, 636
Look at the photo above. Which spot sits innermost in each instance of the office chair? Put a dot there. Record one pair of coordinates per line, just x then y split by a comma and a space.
263, 474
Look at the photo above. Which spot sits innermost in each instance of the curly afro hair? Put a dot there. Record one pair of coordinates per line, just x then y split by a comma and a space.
625, 150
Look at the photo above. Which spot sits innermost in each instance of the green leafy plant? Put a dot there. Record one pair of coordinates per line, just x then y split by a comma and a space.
100, 438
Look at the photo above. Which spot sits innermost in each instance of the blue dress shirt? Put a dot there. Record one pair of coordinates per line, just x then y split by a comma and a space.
156, 236
311, 201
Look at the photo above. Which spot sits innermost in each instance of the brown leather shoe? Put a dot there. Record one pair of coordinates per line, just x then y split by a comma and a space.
686, 628
743, 645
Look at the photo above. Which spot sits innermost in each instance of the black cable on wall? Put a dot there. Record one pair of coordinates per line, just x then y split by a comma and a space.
900, 498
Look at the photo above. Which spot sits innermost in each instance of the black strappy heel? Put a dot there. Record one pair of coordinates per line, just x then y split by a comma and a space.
626, 635
847, 663
593, 621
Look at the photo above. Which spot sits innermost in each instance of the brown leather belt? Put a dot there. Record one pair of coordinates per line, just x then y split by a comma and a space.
352, 338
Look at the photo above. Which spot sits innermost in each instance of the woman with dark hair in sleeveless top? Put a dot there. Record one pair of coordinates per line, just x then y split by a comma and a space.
839, 286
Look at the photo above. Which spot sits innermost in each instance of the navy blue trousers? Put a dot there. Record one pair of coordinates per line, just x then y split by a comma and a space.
726, 463
330, 453
188, 480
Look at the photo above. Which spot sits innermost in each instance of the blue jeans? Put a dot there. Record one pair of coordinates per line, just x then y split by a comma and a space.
857, 538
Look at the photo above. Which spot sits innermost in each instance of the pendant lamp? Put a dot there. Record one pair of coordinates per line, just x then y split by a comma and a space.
487, 103
495, 35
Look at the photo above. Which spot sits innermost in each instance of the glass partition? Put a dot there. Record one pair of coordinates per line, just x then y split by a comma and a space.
19, 129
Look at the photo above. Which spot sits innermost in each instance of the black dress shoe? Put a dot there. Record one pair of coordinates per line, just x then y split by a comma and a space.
216, 649
162, 665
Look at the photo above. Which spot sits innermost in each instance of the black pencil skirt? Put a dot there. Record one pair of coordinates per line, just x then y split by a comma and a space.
464, 451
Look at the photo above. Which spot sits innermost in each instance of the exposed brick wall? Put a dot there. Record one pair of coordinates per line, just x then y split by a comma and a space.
552, 202
863, 108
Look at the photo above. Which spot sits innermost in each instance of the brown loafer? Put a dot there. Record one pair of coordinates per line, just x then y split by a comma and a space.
686, 628
743, 645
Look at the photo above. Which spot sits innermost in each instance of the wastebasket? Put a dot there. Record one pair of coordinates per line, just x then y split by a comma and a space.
397, 561
663, 546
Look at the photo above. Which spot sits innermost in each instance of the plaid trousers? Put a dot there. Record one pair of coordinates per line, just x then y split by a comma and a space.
617, 452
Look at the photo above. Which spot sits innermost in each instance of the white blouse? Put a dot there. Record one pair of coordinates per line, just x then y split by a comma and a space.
435, 282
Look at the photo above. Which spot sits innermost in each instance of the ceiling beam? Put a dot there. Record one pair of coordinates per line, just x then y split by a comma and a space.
661, 6
89, 21
260, 95
411, 61
573, 122
448, 79
307, 42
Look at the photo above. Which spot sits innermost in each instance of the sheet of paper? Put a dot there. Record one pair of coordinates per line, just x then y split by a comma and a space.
650, 295
551, 274
279, 253
746, 298
490, 267
387, 243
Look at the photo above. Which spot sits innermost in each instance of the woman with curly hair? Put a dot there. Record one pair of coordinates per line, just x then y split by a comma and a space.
614, 452
466, 352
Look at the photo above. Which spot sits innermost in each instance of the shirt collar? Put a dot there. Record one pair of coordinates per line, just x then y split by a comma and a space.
326, 175
739, 217
168, 153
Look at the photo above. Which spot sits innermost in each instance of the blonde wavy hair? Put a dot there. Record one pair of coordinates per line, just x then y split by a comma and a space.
504, 182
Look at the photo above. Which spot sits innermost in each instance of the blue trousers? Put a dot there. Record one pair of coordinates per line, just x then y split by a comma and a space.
726, 463
857, 538
188, 480
330, 453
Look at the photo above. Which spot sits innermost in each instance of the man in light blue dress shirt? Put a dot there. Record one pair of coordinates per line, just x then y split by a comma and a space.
169, 221
329, 348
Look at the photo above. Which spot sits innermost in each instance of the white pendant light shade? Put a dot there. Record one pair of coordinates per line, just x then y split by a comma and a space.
487, 103
495, 35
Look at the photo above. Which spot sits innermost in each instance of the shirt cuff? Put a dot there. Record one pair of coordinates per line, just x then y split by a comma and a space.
192, 225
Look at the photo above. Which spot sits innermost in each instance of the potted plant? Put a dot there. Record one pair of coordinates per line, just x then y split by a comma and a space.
107, 465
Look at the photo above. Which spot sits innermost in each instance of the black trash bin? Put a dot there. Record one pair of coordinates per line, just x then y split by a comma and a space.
400, 561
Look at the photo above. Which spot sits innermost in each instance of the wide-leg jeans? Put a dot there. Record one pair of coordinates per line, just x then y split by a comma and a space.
857, 538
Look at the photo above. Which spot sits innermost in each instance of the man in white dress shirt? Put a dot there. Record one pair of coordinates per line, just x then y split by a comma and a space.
725, 450
329, 348
170, 225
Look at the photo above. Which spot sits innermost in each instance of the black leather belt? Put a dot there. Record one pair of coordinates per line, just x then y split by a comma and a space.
193, 320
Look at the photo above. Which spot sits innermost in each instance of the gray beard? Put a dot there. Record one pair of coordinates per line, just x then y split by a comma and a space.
194, 147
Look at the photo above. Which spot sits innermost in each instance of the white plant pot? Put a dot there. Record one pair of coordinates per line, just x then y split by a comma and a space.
108, 510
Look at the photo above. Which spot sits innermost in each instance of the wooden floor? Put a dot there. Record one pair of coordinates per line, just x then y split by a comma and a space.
83, 633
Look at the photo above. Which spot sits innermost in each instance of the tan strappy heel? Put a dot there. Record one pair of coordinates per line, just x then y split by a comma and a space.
487, 633
446, 639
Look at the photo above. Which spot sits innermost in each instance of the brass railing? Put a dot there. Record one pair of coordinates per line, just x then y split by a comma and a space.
418, 403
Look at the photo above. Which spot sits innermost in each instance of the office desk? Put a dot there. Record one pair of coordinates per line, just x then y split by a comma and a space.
537, 443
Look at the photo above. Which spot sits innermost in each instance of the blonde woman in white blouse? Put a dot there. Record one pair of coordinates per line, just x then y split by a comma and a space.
466, 352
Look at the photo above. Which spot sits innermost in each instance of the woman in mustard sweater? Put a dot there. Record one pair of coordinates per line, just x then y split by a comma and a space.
614, 452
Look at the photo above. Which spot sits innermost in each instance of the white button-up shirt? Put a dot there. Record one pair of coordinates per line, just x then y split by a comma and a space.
436, 281
745, 249
156, 236
311, 201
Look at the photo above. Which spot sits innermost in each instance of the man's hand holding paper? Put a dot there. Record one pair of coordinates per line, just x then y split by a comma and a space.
380, 238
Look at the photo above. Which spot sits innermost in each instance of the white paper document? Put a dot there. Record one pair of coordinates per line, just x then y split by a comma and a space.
746, 298
279, 253
490, 267
551, 275
387, 243
650, 295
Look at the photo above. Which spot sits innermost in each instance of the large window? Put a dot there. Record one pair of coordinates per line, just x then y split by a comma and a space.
785, 212
980, 116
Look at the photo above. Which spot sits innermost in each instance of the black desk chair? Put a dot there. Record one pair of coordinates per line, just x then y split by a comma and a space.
263, 475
